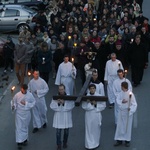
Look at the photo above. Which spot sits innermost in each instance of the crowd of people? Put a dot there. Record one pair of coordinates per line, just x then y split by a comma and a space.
104, 38
86, 31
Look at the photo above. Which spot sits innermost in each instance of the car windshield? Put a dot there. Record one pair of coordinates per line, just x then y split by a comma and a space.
31, 11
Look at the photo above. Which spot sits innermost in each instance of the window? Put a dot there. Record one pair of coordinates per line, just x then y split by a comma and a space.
11, 13
22, 1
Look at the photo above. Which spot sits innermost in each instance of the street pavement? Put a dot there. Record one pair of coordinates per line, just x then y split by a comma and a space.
45, 139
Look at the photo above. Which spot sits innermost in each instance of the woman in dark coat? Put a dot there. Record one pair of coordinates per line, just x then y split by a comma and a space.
44, 61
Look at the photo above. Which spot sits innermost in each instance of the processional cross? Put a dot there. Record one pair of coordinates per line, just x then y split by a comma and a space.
81, 96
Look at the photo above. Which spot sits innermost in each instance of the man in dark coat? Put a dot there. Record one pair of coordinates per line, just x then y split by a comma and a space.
102, 55
44, 61
8, 50
138, 59
121, 54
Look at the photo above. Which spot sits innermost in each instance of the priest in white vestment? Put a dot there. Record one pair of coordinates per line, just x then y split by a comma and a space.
62, 117
110, 75
39, 88
127, 106
93, 119
66, 75
22, 103
117, 89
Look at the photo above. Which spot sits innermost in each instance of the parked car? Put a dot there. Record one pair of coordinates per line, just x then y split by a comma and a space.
2, 42
34, 4
16, 17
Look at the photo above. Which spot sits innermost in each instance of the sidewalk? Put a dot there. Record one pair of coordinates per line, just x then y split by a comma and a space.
6, 82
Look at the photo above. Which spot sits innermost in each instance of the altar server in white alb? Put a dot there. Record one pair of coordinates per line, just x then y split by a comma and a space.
39, 88
62, 117
110, 75
93, 119
117, 89
66, 75
22, 103
127, 106
99, 85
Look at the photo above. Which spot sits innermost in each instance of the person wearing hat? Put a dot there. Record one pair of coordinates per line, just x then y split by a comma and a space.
121, 54
146, 24
66, 75
8, 52
140, 17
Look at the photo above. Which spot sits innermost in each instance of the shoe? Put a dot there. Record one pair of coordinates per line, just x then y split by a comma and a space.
59, 147
54, 75
135, 85
127, 144
19, 145
25, 143
65, 145
118, 143
5, 71
35, 130
111, 105
44, 125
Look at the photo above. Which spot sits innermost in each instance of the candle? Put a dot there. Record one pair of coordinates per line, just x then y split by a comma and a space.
119, 64
12, 92
29, 76
72, 62
125, 74
132, 40
94, 19
130, 95
43, 60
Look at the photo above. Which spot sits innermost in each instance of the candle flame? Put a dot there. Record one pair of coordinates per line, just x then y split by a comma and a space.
72, 59
13, 88
69, 37
125, 71
75, 44
29, 73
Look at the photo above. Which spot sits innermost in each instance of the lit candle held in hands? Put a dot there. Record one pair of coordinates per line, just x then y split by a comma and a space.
72, 62
69, 37
29, 75
12, 92
12, 89
43, 60
75, 45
